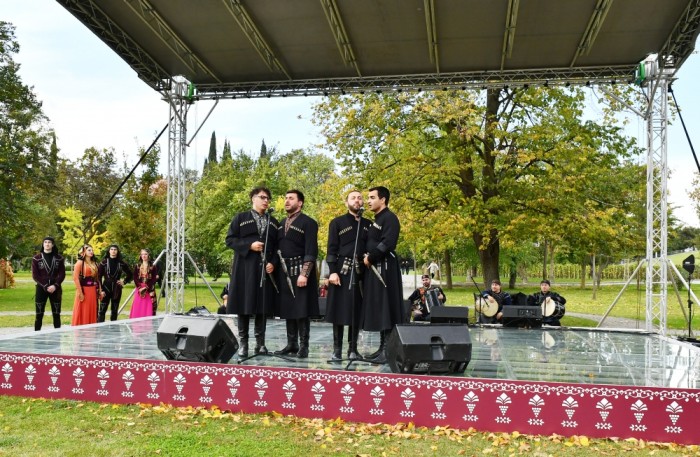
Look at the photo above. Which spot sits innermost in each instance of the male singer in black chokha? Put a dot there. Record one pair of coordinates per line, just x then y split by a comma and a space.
382, 305
298, 298
48, 272
110, 271
249, 293
346, 274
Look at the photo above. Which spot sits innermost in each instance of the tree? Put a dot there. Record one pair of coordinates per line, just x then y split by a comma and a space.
74, 233
226, 154
494, 165
263, 149
212, 149
24, 158
137, 220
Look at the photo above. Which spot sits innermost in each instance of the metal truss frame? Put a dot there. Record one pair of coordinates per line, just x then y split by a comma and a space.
174, 284
657, 207
445, 81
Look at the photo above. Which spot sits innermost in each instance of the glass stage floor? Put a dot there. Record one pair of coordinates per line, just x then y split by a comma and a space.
570, 355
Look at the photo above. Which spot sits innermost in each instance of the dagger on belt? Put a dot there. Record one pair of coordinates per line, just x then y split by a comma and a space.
286, 272
376, 272
272, 279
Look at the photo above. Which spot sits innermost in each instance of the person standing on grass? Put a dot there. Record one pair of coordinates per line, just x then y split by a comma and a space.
48, 272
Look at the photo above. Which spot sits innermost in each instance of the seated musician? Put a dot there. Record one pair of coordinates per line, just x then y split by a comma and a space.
501, 298
539, 298
422, 299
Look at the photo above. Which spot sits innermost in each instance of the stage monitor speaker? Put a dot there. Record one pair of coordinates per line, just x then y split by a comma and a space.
522, 316
196, 339
442, 348
449, 315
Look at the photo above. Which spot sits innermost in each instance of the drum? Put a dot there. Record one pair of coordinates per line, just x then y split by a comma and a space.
553, 309
487, 307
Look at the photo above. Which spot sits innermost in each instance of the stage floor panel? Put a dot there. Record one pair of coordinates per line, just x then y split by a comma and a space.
567, 355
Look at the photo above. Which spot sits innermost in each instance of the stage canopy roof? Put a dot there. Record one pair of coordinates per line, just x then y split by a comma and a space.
257, 48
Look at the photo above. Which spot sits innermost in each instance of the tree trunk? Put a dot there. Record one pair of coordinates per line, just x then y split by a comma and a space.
583, 274
552, 276
447, 265
593, 274
513, 275
489, 257
544, 260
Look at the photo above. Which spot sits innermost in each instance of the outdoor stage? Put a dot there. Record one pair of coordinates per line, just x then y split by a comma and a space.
599, 383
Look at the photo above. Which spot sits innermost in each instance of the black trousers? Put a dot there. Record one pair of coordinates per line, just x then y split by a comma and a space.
41, 296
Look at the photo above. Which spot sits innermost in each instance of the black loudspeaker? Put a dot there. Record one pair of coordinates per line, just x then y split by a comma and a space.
196, 339
443, 348
522, 316
449, 315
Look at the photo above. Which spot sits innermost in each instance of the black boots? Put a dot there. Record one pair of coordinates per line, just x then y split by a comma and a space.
243, 322
304, 325
259, 332
379, 357
354, 333
292, 346
337, 343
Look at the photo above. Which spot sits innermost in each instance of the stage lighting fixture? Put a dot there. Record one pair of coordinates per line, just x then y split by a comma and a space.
689, 264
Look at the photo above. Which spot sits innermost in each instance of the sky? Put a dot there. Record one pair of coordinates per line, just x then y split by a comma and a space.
94, 99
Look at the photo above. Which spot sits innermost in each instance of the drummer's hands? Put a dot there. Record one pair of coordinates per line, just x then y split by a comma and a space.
499, 316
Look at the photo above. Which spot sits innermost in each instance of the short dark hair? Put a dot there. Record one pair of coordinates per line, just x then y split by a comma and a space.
259, 189
496, 281
545, 281
300, 194
347, 195
382, 192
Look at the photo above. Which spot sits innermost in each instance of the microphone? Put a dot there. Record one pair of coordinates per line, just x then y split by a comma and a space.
270, 210
360, 210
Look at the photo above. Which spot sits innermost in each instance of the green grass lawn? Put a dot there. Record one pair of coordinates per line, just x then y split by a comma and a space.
38, 427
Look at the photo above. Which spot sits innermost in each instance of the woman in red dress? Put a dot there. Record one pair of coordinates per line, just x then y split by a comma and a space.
87, 288
145, 277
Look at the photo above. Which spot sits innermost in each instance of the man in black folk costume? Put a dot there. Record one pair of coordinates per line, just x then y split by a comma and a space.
382, 306
249, 293
540, 297
48, 272
346, 273
298, 250
110, 271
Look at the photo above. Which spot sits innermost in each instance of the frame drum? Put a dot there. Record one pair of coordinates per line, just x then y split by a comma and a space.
488, 308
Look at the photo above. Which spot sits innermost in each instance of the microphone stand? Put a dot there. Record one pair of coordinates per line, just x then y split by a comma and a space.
690, 309
263, 273
351, 286
476, 315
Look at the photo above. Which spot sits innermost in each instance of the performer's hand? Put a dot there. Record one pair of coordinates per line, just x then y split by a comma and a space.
366, 260
334, 279
121, 283
499, 316
302, 280
269, 268
257, 246
441, 297
51, 289
102, 294
81, 297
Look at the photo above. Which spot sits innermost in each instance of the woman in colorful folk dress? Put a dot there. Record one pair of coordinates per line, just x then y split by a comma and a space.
87, 288
145, 277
